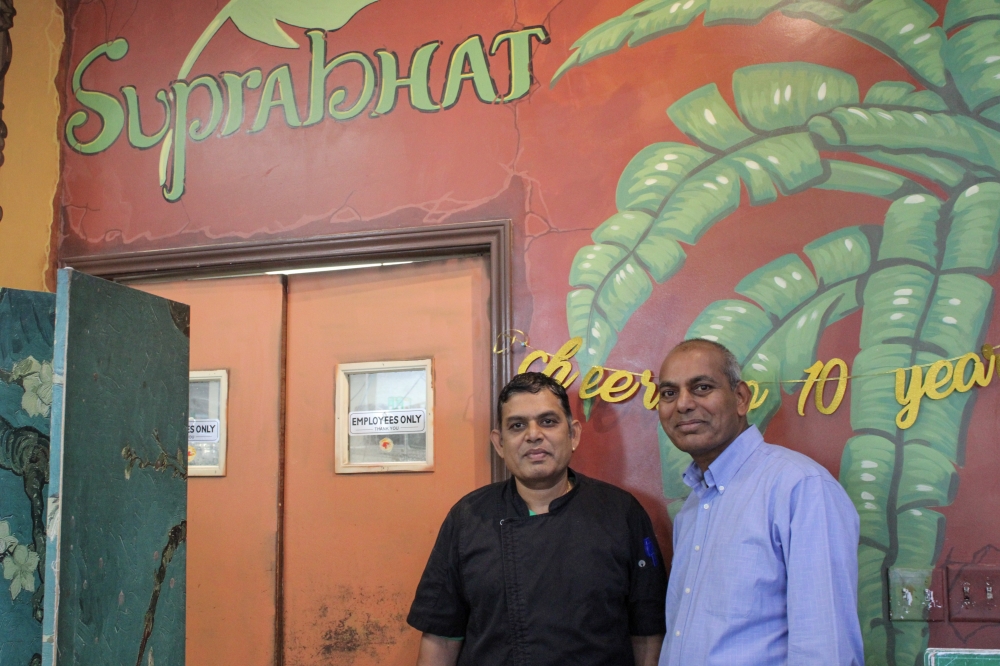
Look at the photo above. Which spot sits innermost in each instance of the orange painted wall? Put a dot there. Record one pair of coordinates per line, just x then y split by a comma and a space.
233, 520
30, 174
356, 544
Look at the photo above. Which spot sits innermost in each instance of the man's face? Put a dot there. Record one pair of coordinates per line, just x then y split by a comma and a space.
536, 439
698, 409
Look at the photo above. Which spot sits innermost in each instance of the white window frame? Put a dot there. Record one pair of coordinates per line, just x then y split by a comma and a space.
223, 377
342, 460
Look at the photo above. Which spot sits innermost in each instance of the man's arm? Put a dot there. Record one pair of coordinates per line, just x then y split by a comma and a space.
647, 649
822, 563
438, 651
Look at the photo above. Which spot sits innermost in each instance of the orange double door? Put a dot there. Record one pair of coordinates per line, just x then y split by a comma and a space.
288, 561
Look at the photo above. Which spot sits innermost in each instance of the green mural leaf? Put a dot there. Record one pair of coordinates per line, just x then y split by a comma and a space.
937, 169
900, 93
899, 28
779, 286
940, 134
894, 305
706, 117
864, 179
777, 345
964, 11
738, 325
641, 23
910, 229
973, 59
915, 314
654, 173
975, 230
957, 312
840, 255
700, 202
772, 97
929, 478
791, 160
673, 462
866, 469
902, 29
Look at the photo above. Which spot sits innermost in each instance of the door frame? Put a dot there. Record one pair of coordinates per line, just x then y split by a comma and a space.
491, 237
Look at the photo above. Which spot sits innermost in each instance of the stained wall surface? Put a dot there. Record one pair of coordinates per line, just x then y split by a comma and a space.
764, 176
29, 176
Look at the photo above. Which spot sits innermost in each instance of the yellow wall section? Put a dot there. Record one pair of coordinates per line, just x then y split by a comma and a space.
30, 173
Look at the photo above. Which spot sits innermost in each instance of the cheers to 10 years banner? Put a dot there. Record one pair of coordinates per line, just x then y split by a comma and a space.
935, 381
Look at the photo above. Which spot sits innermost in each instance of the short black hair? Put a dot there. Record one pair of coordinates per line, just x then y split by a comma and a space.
532, 382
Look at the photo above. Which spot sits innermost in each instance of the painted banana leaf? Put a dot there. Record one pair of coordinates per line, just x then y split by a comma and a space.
672, 193
925, 304
902, 29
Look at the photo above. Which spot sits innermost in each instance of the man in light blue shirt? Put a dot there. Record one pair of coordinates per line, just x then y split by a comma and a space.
765, 565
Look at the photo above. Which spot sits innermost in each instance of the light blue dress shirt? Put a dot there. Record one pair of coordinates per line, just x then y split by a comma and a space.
765, 568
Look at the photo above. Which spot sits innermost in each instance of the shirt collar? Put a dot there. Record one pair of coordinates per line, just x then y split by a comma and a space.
520, 506
724, 468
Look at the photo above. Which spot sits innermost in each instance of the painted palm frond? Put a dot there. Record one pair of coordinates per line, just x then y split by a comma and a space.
902, 29
672, 193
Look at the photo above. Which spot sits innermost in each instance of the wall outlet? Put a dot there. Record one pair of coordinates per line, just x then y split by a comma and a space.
916, 595
974, 593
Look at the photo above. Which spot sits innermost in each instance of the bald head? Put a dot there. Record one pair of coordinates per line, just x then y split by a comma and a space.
730, 364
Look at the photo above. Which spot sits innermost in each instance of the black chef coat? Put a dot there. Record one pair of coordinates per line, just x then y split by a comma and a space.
566, 588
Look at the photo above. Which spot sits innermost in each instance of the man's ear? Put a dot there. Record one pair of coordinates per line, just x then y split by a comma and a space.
743, 396
497, 446
575, 430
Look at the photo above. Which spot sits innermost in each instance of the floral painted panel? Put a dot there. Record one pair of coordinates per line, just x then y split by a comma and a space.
118, 494
27, 320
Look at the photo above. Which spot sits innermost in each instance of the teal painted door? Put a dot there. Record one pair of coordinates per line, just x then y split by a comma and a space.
27, 320
118, 477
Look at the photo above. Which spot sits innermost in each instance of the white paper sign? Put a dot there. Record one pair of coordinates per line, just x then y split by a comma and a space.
397, 420
203, 430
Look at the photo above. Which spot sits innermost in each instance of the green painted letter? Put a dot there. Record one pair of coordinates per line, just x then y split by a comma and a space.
280, 78
519, 58
367, 87
470, 51
107, 107
181, 131
420, 70
234, 90
136, 137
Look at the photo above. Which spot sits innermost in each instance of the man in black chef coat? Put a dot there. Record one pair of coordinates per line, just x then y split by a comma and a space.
550, 568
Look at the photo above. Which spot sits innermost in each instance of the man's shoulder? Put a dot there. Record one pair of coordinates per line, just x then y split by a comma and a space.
608, 498
604, 490
480, 499
791, 466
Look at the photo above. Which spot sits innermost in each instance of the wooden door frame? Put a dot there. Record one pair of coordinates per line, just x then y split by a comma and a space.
492, 237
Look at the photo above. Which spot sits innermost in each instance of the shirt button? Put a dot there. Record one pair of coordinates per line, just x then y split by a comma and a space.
706, 507
687, 590
697, 547
677, 633
722, 489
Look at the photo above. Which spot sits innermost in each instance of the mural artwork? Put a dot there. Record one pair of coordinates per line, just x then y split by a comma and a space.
814, 183
117, 501
26, 333
916, 278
